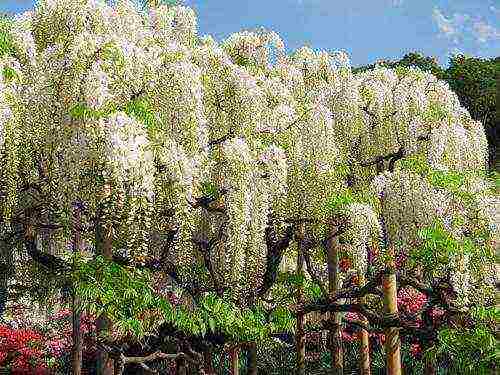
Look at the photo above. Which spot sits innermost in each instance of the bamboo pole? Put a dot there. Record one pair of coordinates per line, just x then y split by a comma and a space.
364, 358
392, 342
300, 338
335, 328
235, 364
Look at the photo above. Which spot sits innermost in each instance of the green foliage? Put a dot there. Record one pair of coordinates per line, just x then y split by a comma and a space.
338, 203
416, 163
438, 248
81, 111
412, 59
452, 181
292, 281
140, 108
282, 320
9, 73
209, 189
6, 45
474, 81
434, 114
124, 295
473, 350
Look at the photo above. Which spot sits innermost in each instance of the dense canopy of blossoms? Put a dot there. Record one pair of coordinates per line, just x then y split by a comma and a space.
97, 97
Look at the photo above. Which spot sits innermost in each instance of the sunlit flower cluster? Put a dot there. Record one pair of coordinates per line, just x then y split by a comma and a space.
364, 227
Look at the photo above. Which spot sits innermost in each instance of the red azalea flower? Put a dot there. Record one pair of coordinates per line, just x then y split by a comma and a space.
345, 264
415, 350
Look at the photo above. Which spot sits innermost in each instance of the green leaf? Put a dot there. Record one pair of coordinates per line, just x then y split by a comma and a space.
211, 324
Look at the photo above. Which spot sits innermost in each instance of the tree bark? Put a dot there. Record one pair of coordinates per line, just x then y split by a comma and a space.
429, 368
392, 342
252, 359
181, 367
76, 350
208, 361
364, 355
335, 329
104, 242
300, 338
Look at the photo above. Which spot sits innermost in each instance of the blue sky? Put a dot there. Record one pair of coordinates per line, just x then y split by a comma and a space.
367, 29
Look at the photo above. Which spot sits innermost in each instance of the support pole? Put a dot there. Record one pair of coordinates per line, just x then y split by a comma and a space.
392, 342
364, 355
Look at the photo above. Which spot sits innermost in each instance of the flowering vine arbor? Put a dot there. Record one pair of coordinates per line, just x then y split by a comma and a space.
126, 135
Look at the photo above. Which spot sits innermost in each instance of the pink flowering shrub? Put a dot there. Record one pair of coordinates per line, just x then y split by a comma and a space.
36, 352
21, 349
410, 301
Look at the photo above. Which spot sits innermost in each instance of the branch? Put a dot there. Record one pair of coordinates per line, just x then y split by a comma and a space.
222, 139
206, 249
275, 249
368, 288
136, 95
311, 272
50, 261
207, 202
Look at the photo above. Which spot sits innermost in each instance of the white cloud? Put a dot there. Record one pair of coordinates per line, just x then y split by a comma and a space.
484, 32
451, 28
461, 26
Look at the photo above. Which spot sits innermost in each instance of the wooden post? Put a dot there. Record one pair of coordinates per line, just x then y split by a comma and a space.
76, 350
235, 364
392, 342
300, 338
364, 355
335, 328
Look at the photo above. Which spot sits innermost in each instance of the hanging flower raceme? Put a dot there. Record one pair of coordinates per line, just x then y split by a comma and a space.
96, 87
364, 228
454, 147
174, 22
410, 203
276, 169
178, 92
313, 157
237, 161
128, 154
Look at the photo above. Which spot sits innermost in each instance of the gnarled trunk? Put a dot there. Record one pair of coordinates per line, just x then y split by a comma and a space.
208, 361
252, 358
300, 338
76, 350
104, 242
235, 364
